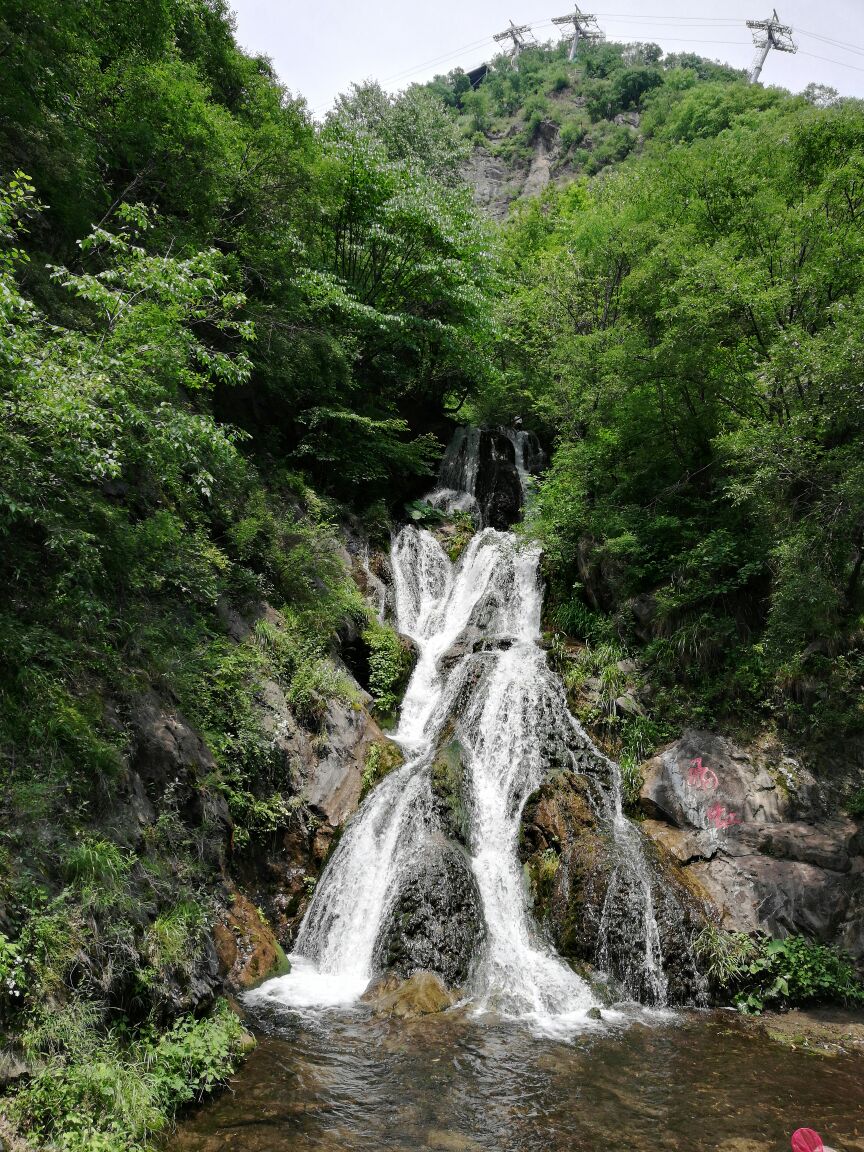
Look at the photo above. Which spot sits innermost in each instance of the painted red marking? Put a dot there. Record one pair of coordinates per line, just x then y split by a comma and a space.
806, 1140
721, 818
700, 776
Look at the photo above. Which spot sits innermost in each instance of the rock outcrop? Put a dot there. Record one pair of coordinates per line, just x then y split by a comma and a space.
750, 832
586, 882
494, 183
247, 950
436, 923
334, 780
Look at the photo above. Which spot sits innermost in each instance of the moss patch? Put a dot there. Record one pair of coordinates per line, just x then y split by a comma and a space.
448, 788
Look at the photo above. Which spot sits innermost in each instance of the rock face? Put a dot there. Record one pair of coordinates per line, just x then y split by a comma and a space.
482, 462
436, 923
327, 781
422, 994
751, 834
583, 889
319, 777
545, 151
495, 185
335, 781
248, 951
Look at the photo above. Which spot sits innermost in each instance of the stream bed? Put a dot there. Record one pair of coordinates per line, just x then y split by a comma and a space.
341, 1081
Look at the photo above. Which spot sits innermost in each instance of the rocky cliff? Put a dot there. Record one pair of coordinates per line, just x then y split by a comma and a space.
751, 829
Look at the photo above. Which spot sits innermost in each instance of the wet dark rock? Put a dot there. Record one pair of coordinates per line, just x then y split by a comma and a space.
436, 922
584, 892
473, 641
278, 870
449, 792
467, 641
499, 488
482, 461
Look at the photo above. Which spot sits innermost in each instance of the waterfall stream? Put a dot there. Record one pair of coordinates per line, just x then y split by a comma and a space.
481, 675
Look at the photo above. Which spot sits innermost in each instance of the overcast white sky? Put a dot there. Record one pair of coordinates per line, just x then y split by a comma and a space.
320, 47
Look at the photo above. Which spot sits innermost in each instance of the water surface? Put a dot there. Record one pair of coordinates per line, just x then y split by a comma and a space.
345, 1081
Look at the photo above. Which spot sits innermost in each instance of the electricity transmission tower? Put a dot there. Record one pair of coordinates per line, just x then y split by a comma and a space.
768, 34
516, 33
584, 28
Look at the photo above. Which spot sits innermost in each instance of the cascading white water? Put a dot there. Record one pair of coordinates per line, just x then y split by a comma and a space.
482, 614
495, 591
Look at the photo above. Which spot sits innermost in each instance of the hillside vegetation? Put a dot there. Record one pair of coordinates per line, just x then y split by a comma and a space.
222, 333
226, 333
685, 329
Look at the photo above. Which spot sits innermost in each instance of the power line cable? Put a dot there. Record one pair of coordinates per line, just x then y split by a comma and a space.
828, 60
835, 43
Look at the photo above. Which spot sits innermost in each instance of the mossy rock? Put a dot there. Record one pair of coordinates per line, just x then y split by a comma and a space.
421, 994
449, 791
382, 758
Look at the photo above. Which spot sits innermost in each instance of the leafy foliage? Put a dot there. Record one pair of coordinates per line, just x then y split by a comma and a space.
390, 665
775, 973
207, 306
115, 1096
686, 331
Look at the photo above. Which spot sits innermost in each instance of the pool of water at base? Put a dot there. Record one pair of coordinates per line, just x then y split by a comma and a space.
690, 1081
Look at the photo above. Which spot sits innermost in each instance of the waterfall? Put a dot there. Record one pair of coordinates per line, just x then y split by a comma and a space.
482, 679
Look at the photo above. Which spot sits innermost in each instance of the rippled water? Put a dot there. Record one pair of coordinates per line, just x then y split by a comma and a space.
345, 1081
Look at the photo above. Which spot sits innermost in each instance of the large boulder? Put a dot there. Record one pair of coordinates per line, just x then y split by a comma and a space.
591, 878
749, 828
436, 921
705, 781
421, 994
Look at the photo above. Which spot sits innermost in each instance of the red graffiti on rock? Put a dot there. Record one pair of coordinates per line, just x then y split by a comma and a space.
719, 817
701, 776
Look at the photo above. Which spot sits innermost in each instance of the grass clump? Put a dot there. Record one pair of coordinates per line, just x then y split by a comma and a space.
114, 1091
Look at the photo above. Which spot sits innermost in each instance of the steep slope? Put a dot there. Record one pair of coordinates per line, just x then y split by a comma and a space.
553, 121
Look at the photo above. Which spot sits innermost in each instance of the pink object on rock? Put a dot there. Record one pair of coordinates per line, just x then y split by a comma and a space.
806, 1140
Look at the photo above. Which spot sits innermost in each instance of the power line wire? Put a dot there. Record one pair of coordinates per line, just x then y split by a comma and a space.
836, 43
828, 60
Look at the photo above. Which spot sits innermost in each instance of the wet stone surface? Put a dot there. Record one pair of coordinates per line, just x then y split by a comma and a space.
436, 923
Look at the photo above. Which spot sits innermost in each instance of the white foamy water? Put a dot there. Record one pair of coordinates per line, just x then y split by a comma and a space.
493, 597
476, 625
